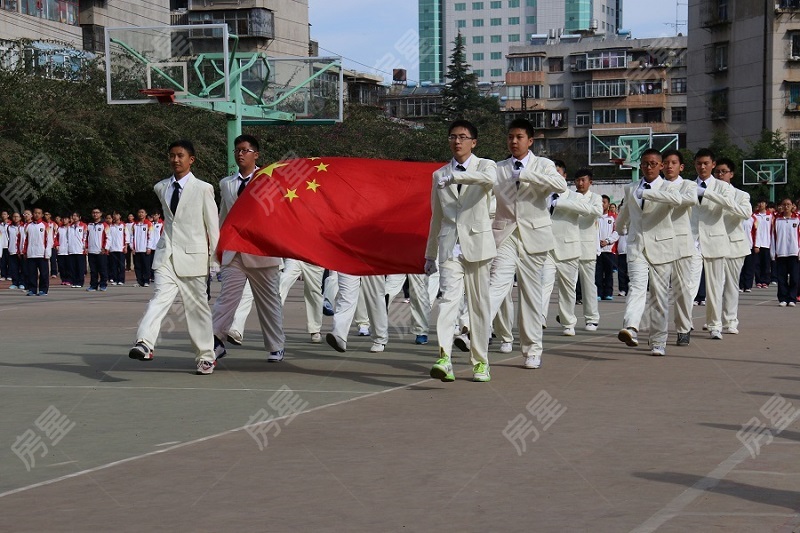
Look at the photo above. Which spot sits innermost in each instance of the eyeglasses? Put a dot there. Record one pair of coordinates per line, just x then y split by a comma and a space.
239, 151
650, 164
461, 138
95, 212
719, 171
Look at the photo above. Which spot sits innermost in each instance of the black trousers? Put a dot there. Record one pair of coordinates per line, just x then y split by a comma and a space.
701, 289
748, 272
15, 270
763, 267
116, 266
98, 270
604, 274
38, 274
141, 265
64, 269
77, 263
4, 267
787, 269
53, 264
622, 272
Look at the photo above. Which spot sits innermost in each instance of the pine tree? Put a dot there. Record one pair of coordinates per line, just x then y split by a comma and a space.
461, 93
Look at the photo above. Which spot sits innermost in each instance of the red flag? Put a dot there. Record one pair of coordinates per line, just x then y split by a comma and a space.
357, 216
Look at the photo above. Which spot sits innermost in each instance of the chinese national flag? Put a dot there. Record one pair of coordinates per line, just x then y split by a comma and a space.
357, 216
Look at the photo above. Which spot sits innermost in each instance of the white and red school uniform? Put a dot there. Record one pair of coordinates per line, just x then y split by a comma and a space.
140, 240
14, 239
63, 239
785, 237
38, 242
97, 237
155, 235
763, 229
117, 237
78, 234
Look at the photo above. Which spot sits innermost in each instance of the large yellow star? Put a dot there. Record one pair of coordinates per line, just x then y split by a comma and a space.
322, 167
268, 170
312, 185
291, 194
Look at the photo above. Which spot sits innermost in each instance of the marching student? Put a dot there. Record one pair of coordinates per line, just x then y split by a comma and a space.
117, 248
312, 292
97, 252
647, 213
461, 240
140, 245
77, 250
785, 249
739, 246
62, 243
183, 259
240, 270
522, 234
589, 249
606, 261
37, 249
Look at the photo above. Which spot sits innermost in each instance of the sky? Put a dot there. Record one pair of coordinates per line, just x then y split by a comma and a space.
378, 35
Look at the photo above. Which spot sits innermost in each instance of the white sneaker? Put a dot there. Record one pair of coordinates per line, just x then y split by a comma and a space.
621, 293
659, 349
377, 347
316, 338
363, 331
462, 342
782, 304
628, 336
716, 334
205, 367
732, 331
705, 327
338, 344
568, 332
533, 361
791, 304
276, 357
506, 347
591, 326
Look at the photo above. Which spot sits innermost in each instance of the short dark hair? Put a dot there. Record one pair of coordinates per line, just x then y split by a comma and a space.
584, 171
705, 152
466, 124
245, 138
651, 151
560, 163
672, 151
606, 197
183, 143
727, 162
521, 124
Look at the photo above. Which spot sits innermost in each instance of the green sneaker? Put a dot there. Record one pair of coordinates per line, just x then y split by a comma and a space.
480, 372
443, 369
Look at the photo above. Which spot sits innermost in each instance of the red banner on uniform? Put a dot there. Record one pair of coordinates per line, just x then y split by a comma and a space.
357, 216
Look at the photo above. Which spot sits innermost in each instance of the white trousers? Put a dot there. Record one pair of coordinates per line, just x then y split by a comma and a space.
331, 291
591, 311
374, 291
457, 278
685, 281
504, 320
511, 258
242, 312
730, 297
715, 288
196, 312
312, 289
566, 273
640, 272
265, 283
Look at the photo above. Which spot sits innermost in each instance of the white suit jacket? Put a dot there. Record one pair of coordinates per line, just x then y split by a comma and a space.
590, 244
708, 224
682, 217
228, 187
740, 243
525, 208
190, 235
464, 217
570, 206
650, 230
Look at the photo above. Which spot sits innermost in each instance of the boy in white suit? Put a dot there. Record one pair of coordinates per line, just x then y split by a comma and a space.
183, 258
461, 234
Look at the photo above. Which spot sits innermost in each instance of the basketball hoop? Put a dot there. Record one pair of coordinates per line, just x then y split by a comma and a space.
164, 96
618, 162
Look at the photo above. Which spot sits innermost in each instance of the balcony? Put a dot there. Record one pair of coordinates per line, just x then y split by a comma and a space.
786, 6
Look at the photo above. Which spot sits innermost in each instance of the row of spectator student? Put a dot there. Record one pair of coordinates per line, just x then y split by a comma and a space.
38, 248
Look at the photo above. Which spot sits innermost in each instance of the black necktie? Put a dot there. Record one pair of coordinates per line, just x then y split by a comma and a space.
552, 203
517, 167
704, 185
646, 186
462, 169
242, 185
176, 196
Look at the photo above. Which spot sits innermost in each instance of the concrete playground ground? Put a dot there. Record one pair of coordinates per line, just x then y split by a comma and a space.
602, 438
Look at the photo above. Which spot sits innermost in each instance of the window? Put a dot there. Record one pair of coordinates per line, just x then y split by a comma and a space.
644, 116
679, 114
556, 64
496, 55
496, 5
646, 87
478, 73
525, 64
477, 23
793, 97
65, 12
721, 57
496, 72
9, 5
609, 116
477, 39
794, 38
530, 19
478, 56
461, 24
513, 3
496, 22
557, 91
583, 119
513, 38
598, 89
530, 3
794, 140
477, 6
606, 59
516, 92
718, 104
513, 21
679, 85
722, 10
496, 39
460, 6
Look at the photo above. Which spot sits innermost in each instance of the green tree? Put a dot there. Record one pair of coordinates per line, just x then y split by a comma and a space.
461, 92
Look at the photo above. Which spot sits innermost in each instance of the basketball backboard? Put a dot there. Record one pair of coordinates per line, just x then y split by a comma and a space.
189, 59
764, 171
624, 146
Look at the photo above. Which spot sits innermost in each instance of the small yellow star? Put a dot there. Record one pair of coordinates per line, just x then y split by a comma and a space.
291, 194
322, 167
268, 170
313, 158
312, 185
